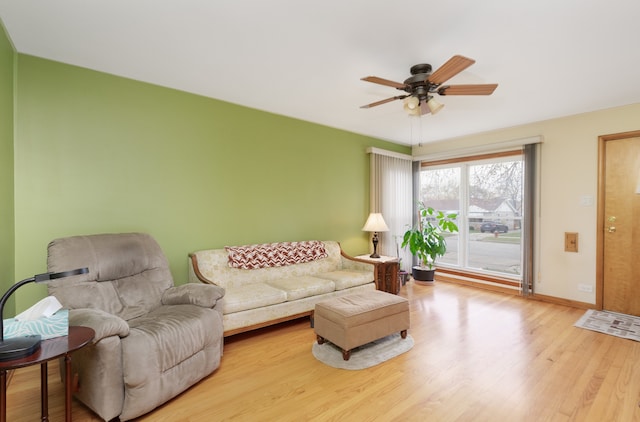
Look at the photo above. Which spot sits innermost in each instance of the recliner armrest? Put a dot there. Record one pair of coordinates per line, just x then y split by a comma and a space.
103, 323
205, 295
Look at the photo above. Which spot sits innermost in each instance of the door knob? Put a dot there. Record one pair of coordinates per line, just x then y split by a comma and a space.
611, 229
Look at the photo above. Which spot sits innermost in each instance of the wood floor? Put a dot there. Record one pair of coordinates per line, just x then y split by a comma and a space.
478, 356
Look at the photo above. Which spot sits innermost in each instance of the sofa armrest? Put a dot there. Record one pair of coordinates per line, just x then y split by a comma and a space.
351, 263
103, 323
205, 295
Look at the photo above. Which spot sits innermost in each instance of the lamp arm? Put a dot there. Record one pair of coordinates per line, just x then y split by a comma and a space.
6, 296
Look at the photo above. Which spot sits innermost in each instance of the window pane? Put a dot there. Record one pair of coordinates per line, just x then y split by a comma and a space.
495, 216
440, 189
487, 196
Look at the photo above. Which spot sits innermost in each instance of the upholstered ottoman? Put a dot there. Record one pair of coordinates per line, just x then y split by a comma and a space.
356, 319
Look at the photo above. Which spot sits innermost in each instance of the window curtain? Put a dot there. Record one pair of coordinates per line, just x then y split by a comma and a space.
529, 228
391, 195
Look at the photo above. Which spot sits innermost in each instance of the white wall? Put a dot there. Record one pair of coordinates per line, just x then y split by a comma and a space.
569, 175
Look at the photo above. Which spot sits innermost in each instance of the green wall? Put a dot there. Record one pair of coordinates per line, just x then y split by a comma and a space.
7, 274
97, 153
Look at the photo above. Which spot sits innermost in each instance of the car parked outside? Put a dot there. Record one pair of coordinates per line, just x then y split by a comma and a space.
493, 227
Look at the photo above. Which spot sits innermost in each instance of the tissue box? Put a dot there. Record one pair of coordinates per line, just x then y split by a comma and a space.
56, 325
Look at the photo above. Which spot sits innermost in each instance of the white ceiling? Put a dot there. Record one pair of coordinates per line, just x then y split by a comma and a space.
305, 59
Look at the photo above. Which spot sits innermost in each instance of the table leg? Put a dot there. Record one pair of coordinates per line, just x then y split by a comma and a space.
67, 387
44, 393
3, 395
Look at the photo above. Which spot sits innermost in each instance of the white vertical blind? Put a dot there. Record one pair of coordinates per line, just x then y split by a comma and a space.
391, 195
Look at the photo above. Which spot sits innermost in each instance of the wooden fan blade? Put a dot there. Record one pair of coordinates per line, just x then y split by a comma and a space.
386, 82
451, 68
483, 89
388, 100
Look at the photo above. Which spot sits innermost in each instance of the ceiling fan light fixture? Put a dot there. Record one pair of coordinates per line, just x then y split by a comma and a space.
412, 102
412, 105
412, 111
434, 106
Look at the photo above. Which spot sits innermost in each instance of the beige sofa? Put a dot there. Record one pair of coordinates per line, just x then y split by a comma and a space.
270, 283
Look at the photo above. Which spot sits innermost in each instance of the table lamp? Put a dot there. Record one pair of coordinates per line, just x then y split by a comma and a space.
375, 223
18, 347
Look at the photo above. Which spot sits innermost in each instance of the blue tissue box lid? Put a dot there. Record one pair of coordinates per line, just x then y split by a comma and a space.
56, 325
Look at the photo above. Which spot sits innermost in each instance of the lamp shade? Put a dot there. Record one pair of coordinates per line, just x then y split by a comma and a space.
412, 106
434, 106
412, 102
375, 223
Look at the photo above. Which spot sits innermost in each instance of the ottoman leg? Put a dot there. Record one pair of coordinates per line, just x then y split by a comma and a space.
403, 333
346, 354
320, 339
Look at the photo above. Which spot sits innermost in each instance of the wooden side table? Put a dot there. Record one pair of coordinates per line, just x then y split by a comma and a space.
387, 270
49, 349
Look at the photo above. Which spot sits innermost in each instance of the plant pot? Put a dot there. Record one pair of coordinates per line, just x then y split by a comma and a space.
423, 275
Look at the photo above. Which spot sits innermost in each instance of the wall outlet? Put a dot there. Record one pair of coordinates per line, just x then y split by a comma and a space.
585, 288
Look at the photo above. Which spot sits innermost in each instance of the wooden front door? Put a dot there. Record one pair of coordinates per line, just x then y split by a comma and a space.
620, 223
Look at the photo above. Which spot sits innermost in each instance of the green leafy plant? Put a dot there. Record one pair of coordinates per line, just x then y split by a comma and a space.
426, 240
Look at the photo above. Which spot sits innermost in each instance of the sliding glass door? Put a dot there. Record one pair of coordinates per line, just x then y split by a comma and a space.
487, 194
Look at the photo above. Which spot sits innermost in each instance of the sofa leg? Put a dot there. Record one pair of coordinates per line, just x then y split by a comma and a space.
320, 339
403, 333
311, 321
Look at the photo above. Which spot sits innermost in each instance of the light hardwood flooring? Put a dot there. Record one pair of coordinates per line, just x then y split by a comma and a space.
478, 356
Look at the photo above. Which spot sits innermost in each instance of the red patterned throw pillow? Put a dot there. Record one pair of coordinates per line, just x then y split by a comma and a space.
275, 254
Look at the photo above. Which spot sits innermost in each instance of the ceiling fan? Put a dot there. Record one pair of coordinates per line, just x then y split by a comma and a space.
422, 84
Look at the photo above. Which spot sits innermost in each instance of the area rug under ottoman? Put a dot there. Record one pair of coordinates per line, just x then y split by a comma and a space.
365, 356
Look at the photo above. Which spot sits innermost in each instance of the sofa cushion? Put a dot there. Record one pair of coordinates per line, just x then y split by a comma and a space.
303, 286
344, 279
251, 296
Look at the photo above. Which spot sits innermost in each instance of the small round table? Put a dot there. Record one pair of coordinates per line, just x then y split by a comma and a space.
49, 349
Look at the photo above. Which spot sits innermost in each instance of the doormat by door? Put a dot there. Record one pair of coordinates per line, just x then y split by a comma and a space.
615, 324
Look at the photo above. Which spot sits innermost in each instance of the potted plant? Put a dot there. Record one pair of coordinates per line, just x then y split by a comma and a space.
426, 240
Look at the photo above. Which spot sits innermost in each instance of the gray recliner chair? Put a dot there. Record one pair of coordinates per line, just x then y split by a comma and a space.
153, 339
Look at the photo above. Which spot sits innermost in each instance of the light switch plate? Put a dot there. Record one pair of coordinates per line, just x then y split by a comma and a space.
586, 201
